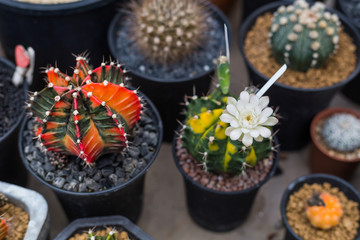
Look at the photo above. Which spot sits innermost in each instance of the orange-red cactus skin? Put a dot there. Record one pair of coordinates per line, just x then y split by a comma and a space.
327, 214
86, 114
4, 229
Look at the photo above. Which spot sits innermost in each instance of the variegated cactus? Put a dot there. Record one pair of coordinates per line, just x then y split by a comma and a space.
206, 136
304, 36
4, 228
87, 114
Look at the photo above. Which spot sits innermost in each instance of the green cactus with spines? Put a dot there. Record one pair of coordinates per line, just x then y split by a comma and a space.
167, 31
109, 236
203, 134
304, 36
341, 132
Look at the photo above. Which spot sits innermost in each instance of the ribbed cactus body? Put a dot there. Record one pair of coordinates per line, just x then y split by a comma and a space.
87, 114
341, 132
111, 236
167, 31
204, 133
304, 36
4, 228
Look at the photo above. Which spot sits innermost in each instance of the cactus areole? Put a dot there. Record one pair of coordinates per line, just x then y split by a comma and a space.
87, 114
304, 36
214, 141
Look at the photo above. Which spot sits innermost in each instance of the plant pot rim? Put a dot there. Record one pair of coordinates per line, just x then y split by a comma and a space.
324, 115
270, 8
215, 11
323, 177
116, 220
24, 87
16, 194
35, 9
258, 185
107, 191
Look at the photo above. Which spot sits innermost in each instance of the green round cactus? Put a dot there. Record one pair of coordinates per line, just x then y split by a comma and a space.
167, 31
341, 132
304, 36
205, 136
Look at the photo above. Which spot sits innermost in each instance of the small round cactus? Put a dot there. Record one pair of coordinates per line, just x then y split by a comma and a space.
304, 36
341, 132
324, 210
215, 143
110, 236
167, 31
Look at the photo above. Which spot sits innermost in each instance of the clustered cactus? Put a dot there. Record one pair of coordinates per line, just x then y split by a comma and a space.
87, 114
110, 236
167, 31
205, 135
341, 132
304, 36
4, 228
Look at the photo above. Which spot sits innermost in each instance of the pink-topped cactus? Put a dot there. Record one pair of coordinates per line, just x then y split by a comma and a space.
87, 114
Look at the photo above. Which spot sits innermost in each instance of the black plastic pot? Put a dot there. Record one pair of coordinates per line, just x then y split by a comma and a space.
125, 199
168, 94
351, 90
84, 224
349, 191
297, 105
11, 169
56, 31
215, 210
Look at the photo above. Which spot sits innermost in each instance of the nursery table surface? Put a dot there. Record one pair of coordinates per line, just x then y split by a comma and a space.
165, 215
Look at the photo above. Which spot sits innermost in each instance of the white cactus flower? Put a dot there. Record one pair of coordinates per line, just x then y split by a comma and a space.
249, 118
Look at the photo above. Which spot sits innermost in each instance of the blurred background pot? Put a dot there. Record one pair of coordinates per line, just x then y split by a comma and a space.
55, 29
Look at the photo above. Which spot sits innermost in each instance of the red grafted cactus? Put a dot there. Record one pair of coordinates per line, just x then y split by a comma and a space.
87, 114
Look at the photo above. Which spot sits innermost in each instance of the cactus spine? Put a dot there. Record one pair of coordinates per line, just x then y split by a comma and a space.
167, 31
304, 36
203, 134
87, 114
4, 228
341, 132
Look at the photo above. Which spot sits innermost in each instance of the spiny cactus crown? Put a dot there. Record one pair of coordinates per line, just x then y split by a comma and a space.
341, 132
205, 136
4, 228
87, 114
304, 36
167, 31
110, 236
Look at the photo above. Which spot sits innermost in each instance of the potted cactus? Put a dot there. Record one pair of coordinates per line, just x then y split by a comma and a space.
320, 206
222, 143
45, 25
87, 116
23, 214
12, 113
107, 228
321, 48
336, 143
169, 48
